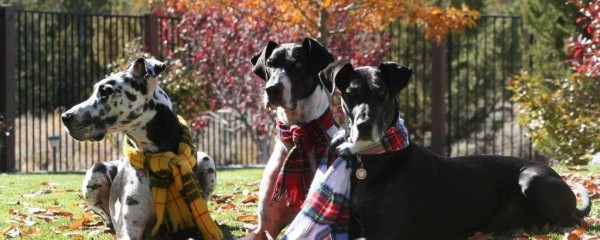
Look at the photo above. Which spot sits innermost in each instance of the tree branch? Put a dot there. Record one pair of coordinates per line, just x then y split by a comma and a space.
305, 15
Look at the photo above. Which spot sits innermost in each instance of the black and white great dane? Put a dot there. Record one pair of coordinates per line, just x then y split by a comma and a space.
416, 194
131, 102
293, 88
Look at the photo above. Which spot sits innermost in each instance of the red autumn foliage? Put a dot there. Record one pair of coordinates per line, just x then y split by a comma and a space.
585, 48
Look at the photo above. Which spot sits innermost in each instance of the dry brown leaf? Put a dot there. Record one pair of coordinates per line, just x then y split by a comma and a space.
578, 231
77, 224
570, 236
76, 236
226, 206
11, 231
247, 218
481, 236
250, 199
540, 237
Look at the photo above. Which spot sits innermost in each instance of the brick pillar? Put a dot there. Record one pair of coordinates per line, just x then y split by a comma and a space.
8, 34
151, 38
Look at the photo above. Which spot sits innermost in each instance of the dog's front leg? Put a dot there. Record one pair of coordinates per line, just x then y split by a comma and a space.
96, 188
272, 216
131, 203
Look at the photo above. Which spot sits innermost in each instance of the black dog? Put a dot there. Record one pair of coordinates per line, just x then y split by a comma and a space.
293, 89
416, 194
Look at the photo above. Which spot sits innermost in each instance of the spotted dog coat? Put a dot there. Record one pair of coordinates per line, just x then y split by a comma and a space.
131, 102
293, 88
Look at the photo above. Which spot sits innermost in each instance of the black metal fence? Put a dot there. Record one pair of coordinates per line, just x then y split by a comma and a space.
59, 56
481, 115
478, 115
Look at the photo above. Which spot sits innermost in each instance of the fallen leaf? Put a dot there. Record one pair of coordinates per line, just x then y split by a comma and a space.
250, 199
570, 236
76, 236
540, 237
77, 224
12, 231
226, 206
247, 218
481, 236
578, 231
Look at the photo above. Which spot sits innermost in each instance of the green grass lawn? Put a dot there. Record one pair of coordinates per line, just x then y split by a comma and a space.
49, 206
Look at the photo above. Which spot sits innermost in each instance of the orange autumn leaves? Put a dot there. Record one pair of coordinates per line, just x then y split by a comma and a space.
326, 17
28, 215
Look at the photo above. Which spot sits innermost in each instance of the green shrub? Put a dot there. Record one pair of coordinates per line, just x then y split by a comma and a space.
563, 115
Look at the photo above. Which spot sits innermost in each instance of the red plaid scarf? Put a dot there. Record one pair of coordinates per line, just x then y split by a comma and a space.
296, 174
326, 212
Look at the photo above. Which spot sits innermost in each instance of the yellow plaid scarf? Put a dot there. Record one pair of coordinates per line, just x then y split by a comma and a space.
171, 177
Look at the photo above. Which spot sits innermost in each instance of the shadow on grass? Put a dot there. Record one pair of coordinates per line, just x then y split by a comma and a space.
228, 231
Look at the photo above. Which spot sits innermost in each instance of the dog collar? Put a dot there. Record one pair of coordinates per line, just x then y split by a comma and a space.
395, 139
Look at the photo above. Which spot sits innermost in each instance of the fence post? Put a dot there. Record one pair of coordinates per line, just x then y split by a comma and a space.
8, 33
439, 77
151, 37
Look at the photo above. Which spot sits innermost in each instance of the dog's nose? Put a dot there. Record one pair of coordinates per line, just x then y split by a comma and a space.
66, 117
274, 90
365, 126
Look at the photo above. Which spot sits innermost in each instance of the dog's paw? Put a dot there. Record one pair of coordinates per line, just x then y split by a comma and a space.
338, 138
206, 174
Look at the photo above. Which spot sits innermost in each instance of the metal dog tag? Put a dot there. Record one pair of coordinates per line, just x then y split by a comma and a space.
361, 173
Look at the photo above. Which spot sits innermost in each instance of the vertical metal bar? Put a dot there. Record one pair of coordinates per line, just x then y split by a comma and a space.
72, 84
512, 71
151, 34
96, 57
449, 116
467, 81
494, 84
7, 91
18, 126
503, 80
485, 77
60, 79
43, 97
438, 106
47, 107
32, 96
53, 72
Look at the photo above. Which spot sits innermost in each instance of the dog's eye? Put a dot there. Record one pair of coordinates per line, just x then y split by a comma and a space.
270, 63
298, 65
381, 94
104, 91
350, 93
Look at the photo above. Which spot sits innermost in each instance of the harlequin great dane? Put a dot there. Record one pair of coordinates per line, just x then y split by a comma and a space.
131, 102
293, 88
413, 193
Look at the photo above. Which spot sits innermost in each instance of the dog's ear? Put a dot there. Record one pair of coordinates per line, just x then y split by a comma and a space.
396, 76
318, 56
259, 60
149, 70
152, 67
336, 74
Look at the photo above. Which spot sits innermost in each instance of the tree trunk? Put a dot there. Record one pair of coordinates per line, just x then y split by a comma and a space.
323, 34
263, 146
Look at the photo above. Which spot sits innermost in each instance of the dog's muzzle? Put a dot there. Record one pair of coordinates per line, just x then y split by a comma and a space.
274, 94
77, 131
